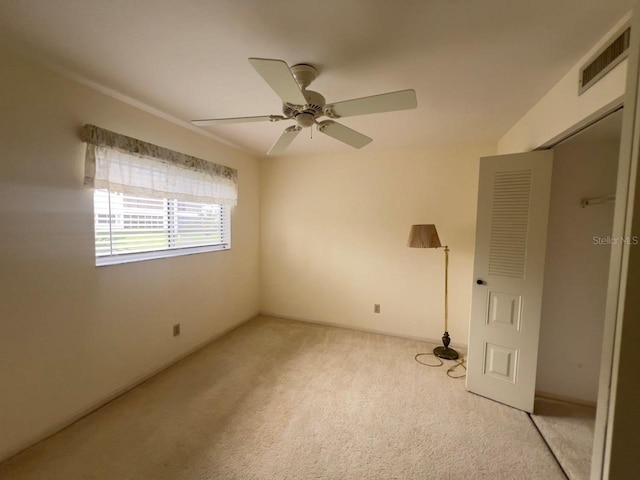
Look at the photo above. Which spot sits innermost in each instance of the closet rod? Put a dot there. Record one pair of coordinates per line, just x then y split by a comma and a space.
585, 202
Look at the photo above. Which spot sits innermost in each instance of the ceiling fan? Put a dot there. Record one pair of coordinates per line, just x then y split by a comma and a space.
305, 107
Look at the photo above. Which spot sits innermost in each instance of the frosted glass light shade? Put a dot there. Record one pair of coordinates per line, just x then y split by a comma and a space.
424, 236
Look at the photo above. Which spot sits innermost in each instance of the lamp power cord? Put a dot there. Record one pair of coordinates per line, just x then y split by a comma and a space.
451, 372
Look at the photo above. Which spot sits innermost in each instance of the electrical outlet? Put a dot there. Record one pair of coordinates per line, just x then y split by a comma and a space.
176, 330
376, 308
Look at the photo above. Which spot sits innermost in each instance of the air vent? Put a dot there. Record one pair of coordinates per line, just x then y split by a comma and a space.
604, 61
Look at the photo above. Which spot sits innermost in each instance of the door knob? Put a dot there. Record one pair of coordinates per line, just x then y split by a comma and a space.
480, 282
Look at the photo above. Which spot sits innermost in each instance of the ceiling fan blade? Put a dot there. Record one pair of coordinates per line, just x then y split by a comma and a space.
344, 134
222, 121
386, 102
277, 74
285, 140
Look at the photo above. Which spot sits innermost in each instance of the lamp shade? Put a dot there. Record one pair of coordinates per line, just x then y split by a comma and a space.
424, 236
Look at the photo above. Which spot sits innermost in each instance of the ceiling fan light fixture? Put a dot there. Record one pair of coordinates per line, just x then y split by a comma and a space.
305, 119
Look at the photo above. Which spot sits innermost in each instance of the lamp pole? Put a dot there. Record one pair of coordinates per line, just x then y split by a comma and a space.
446, 289
446, 352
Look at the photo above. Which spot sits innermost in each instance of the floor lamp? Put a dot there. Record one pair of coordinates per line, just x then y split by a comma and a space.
426, 236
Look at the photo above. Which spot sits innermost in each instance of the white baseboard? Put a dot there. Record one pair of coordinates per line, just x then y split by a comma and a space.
565, 399
436, 342
80, 414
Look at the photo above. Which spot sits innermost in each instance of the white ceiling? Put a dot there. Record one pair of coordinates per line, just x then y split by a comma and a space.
476, 66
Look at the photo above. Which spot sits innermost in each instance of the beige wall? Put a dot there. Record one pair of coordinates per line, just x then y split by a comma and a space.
334, 235
73, 334
576, 270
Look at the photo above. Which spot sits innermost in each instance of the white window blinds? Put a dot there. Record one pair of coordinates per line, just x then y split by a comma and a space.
127, 224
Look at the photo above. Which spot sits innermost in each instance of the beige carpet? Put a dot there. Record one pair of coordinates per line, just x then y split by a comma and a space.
568, 429
277, 399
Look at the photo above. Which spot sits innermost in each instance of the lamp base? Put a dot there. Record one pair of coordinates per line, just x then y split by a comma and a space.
446, 353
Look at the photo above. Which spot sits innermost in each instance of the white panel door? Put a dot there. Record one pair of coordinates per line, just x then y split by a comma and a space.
511, 238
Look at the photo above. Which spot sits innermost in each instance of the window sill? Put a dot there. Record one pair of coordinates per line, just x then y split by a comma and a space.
140, 257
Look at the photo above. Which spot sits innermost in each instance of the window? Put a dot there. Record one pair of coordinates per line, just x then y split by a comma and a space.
152, 202
131, 228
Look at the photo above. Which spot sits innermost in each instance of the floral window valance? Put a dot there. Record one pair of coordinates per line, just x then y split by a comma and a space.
128, 165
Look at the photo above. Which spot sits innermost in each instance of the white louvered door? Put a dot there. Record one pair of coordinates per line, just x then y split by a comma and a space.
511, 238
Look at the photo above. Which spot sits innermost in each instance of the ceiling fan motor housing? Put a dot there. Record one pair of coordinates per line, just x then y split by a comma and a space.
305, 115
